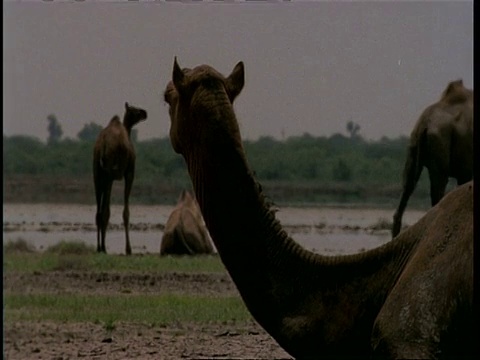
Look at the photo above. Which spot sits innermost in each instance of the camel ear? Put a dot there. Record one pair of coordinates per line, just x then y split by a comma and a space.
126, 106
178, 76
235, 81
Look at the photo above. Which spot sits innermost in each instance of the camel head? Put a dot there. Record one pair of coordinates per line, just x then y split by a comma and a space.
201, 106
133, 116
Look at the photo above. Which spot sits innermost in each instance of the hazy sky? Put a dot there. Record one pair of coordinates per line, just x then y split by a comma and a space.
310, 66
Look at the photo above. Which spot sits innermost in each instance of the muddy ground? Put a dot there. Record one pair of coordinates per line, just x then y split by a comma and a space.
60, 341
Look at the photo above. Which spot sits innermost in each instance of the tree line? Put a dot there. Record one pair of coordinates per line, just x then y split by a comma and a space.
300, 168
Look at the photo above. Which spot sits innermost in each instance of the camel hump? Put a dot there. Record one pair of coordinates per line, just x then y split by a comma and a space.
115, 120
189, 199
186, 199
181, 235
185, 231
195, 232
456, 93
182, 196
115, 132
189, 220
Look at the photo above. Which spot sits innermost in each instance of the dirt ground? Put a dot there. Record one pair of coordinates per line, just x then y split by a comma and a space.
336, 231
48, 340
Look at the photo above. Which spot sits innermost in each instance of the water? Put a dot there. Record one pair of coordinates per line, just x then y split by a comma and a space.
326, 230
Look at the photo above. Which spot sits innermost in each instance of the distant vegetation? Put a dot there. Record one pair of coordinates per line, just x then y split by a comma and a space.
22, 256
107, 308
300, 169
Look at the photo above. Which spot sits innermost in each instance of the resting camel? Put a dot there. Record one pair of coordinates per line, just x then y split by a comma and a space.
410, 298
114, 159
441, 141
185, 231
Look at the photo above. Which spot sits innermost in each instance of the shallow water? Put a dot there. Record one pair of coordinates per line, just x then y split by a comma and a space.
326, 230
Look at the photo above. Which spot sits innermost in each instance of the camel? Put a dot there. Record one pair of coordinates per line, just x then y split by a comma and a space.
410, 298
114, 159
185, 231
441, 141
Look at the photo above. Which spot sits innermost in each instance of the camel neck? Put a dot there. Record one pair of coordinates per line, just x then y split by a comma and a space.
273, 273
232, 210
127, 125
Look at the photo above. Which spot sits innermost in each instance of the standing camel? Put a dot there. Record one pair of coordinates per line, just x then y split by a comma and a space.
114, 159
185, 232
410, 298
441, 141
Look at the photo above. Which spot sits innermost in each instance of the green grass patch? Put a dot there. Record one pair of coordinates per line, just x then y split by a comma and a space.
54, 261
150, 309
71, 248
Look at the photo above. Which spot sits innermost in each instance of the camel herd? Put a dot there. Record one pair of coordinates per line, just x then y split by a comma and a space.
410, 298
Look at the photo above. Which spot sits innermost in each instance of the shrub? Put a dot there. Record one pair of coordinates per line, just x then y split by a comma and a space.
18, 246
70, 248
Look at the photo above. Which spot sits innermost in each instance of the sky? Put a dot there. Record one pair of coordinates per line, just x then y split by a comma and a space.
310, 66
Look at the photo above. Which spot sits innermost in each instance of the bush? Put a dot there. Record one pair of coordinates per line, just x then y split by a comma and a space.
18, 246
71, 248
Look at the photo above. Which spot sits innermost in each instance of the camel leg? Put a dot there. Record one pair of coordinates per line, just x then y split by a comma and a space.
126, 212
397, 217
99, 193
438, 185
411, 175
105, 213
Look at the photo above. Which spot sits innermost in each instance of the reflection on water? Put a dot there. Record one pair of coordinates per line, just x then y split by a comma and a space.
326, 230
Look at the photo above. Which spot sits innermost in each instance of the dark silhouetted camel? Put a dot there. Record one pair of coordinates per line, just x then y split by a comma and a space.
411, 298
185, 232
441, 141
114, 159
